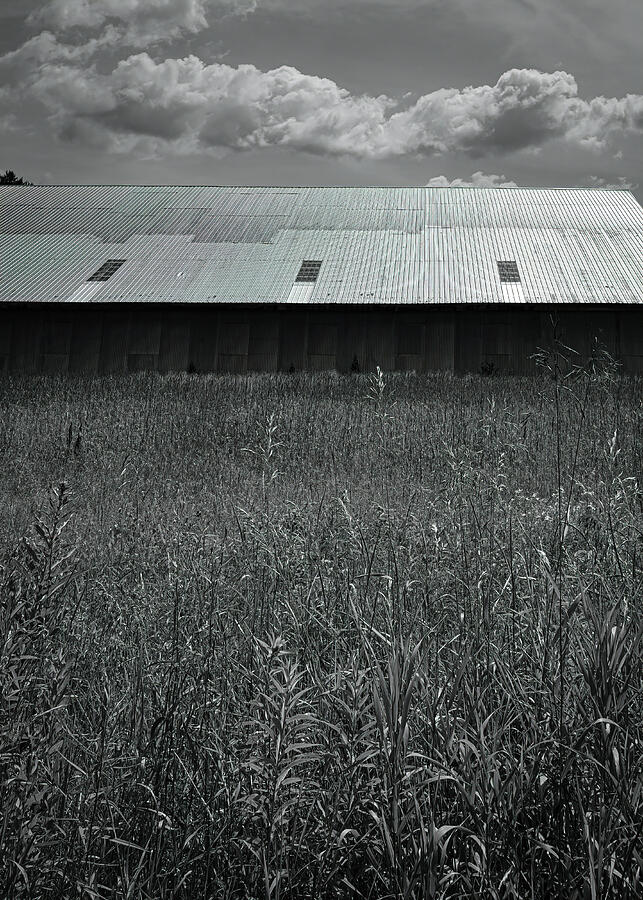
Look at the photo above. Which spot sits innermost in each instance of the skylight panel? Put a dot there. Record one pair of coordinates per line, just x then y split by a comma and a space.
508, 270
107, 270
309, 271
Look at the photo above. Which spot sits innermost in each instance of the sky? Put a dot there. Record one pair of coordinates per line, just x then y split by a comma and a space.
320, 92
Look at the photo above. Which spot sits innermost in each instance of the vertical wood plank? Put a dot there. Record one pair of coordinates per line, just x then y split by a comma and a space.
6, 337
292, 340
322, 342
468, 339
525, 340
204, 327
144, 341
233, 339
86, 338
56, 340
113, 351
263, 341
379, 341
440, 341
410, 348
351, 342
630, 339
26, 345
174, 349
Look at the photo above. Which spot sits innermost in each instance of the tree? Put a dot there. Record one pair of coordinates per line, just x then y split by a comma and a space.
10, 177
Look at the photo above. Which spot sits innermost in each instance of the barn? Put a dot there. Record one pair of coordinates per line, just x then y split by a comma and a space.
105, 279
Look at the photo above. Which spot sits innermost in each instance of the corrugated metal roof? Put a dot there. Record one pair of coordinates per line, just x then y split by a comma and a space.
378, 245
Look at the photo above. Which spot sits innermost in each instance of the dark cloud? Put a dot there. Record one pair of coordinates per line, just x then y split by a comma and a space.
229, 125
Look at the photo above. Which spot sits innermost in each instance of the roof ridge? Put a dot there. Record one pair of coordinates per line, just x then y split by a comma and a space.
333, 187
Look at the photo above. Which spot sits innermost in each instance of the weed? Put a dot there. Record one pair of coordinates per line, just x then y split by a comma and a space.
393, 649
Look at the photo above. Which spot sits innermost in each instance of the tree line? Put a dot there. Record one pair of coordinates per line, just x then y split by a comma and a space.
10, 177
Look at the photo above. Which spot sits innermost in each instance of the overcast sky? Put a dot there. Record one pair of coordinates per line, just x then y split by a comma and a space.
390, 92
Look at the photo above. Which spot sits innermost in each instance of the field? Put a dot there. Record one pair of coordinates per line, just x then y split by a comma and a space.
321, 636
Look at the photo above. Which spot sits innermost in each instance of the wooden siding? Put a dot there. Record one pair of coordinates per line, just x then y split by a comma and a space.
84, 350
144, 342
630, 328
56, 343
233, 342
440, 343
263, 343
6, 335
204, 334
469, 343
26, 341
410, 353
114, 345
293, 342
174, 348
104, 338
322, 342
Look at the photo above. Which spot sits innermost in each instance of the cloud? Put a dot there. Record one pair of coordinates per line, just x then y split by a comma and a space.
214, 106
619, 183
478, 179
195, 106
8, 122
46, 48
524, 109
141, 21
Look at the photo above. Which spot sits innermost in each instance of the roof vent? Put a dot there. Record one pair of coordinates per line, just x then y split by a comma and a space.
508, 270
107, 270
309, 270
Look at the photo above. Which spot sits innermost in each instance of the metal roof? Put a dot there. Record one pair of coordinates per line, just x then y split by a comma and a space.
377, 244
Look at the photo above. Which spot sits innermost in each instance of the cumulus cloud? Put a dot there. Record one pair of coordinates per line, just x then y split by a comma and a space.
618, 183
46, 48
524, 109
141, 21
478, 179
195, 105
212, 105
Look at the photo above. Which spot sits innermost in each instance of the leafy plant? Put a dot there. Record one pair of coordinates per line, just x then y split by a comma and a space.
393, 649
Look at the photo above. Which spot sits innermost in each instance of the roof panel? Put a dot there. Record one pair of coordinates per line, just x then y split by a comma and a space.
378, 245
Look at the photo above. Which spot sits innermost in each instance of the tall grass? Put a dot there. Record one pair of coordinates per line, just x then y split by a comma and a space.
319, 636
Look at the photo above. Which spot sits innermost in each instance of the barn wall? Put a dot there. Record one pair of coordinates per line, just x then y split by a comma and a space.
204, 339
6, 340
293, 341
174, 346
630, 340
103, 339
115, 338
